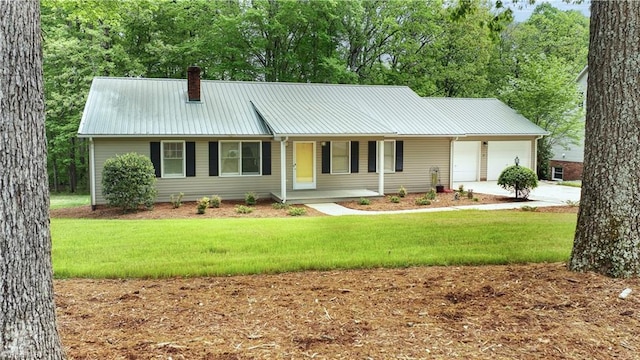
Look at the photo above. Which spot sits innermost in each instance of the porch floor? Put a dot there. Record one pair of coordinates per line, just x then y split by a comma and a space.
321, 196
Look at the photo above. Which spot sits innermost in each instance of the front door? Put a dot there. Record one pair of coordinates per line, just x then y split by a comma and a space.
304, 165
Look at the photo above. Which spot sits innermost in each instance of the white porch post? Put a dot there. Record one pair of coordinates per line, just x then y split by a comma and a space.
283, 170
381, 167
92, 176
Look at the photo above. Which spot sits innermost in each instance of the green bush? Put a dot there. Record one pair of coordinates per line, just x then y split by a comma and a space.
297, 211
242, 209
280, 206
518, 179
215, 201
431, 195
128, 181
364, 201
176, 200
203, 204
423, 201
250, 198
402, 192
394, 199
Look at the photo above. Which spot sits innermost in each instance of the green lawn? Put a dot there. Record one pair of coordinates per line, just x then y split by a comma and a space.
206, 247
68, 200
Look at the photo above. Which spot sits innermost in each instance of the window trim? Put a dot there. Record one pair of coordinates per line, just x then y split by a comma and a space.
348, 142
184, 159
553, 173
239, 173
393, 157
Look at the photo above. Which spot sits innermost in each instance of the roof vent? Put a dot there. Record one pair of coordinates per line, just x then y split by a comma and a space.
193, 83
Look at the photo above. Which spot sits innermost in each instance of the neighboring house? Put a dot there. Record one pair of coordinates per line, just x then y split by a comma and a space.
566, 162
297, 142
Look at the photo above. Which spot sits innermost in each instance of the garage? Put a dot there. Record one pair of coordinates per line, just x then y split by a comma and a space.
502, 154
466, 160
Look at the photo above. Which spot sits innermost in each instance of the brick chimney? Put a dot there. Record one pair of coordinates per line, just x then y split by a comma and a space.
193, 83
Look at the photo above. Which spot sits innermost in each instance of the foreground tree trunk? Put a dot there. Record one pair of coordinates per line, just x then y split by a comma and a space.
608, 233
27, 312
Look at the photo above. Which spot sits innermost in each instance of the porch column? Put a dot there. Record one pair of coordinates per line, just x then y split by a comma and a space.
283, 170
381, 167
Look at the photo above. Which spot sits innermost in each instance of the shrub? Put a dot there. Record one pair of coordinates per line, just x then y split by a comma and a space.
402, 192
431, 195
470, 194
128, 181
364, 201
529, 208
394, 199
202, 205
518, 179
242, 209
250, 198
461, 189
280, 206
176, 200
215, 201
423, 201
297, 211
572, 203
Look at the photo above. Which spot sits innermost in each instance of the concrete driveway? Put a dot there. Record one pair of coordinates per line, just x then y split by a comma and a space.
547, 191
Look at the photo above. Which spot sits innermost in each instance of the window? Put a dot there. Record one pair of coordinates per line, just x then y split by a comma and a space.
389, 156
173, 159
240, 158
556, 173
340, 156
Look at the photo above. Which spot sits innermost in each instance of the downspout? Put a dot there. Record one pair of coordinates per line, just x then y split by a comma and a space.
283, 169
451, 162
92, 169
535, 154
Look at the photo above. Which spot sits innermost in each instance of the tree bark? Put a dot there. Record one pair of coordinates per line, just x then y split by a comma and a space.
607, 238
27, 311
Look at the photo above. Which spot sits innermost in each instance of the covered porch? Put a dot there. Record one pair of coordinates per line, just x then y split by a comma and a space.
322, 196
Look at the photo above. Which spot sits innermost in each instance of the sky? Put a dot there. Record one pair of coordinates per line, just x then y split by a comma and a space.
522, 10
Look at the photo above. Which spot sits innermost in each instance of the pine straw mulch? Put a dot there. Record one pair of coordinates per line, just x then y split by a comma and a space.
264, 208
538, 311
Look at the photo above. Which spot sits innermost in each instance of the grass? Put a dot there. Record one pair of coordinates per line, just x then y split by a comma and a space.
206, 247
59, 201
576, 183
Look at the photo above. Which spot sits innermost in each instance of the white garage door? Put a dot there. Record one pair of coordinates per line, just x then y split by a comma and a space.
502, 154
466, 160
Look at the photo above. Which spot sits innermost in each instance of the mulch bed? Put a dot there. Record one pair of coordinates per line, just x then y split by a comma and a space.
539, 311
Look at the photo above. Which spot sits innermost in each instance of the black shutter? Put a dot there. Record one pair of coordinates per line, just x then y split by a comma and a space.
190, 151
372, 156
326, 158
155, 157
213, 158
399, 155
266, 158
355, 155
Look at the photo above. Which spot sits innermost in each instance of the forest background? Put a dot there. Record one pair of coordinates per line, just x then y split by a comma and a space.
452, 48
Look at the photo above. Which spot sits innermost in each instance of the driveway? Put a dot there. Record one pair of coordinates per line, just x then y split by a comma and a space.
547, 191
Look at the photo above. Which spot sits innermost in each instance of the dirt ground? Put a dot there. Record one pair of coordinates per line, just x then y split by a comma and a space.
535, 311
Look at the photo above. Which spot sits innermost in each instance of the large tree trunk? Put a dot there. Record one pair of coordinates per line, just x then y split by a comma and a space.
608, 233
27, 312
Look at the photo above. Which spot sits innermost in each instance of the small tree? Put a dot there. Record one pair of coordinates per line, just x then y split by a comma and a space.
128, 181
518, 179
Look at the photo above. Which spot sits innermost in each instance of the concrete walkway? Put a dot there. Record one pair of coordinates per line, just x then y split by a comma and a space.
546, 194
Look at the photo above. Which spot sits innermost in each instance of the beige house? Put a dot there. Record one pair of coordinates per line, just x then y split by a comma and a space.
298, 142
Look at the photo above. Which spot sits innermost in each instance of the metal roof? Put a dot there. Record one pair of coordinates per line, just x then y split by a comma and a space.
484, 116
159, 107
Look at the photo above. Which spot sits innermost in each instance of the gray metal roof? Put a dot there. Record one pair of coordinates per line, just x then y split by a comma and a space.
159, 107
485, 116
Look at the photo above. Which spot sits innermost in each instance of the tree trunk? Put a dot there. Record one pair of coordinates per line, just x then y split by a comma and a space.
27, 312
608, 232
